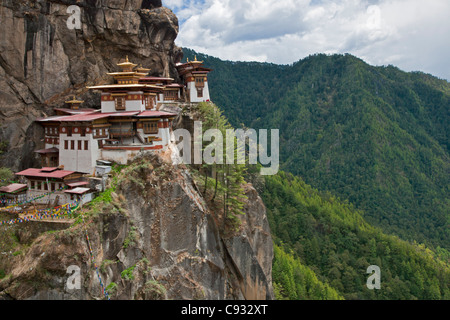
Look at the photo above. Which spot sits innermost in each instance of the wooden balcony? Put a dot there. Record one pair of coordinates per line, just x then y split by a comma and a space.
117, 133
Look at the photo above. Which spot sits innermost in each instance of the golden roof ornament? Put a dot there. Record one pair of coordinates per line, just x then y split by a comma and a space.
74, 101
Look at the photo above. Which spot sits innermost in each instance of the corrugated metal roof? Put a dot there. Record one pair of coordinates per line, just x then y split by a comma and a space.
84, 117
153, 113
13, 188
78, 190
122, 114
57, 174
77, 184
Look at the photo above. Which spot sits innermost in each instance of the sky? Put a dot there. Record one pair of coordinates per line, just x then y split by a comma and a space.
413, 35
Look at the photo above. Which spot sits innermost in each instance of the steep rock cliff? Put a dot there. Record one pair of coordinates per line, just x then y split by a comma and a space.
156, 238
42, 61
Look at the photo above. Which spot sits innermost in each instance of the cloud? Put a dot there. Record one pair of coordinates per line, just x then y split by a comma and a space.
411, 34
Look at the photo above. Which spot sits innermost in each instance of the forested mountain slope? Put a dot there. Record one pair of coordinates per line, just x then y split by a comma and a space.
376, 136
332, 239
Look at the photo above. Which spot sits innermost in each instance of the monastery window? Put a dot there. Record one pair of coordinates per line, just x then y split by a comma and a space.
170, 95
52, 186
199, 81
79, 145
66, 144
83, 132
120, 103
100, 144
149, 102
150, 127
86, 145
200, 92
31, 184
72, 145
46, 186
69, 131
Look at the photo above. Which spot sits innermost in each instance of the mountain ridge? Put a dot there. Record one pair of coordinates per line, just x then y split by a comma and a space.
376, 136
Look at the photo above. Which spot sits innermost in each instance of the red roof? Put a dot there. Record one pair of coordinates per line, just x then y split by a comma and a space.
84, 117
13, 188
122, 114
78, 184
156, 114
78, 190
174, 85
57, 174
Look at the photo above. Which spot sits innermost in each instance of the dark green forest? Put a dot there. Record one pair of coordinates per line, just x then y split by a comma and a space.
333, 246
375, 136
374, 141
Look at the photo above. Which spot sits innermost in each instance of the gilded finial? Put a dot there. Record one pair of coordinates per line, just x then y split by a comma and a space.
195, 58
127, 58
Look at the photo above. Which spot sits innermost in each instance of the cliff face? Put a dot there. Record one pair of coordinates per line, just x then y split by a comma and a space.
156, 239
42, 61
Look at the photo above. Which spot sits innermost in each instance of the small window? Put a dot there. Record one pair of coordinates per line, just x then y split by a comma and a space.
52, 186
46, 186
149, 102
150, 127
86, 145
32, 185
79, 145
69, 131
66, 144
199, 81
200, 92
72, 145
120, 103
100, 144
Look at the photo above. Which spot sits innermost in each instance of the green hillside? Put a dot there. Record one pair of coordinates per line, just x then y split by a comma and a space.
334, 246
376, 136
323, 246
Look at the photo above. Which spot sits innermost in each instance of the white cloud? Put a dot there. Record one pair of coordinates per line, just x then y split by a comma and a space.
412, 34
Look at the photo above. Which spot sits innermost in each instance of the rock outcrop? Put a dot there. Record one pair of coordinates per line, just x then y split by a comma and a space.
157, 238
43, 61
154, 236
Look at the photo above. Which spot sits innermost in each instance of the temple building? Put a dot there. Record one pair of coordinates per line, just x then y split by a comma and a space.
129, 121
195, 77
58, 185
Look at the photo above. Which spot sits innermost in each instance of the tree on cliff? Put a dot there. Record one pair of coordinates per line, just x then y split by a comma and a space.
228, 179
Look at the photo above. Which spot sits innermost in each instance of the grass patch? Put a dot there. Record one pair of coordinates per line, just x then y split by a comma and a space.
127, 274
